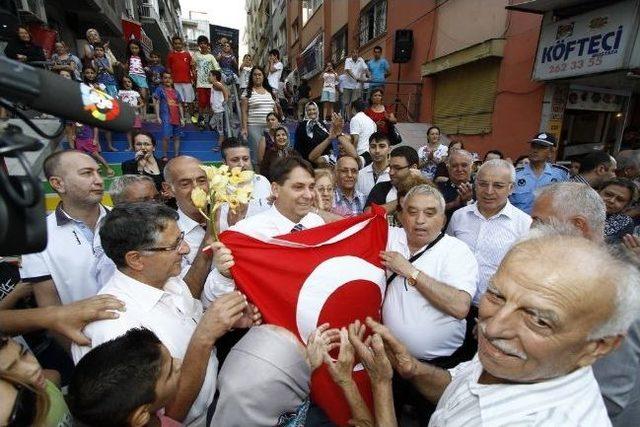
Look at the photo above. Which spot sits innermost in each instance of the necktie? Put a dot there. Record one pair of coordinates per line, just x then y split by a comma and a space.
297, 227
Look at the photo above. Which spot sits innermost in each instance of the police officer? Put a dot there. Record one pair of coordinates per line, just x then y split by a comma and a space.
538, 173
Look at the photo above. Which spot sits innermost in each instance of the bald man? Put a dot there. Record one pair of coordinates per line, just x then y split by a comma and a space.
61, 274
181, 175
534, 359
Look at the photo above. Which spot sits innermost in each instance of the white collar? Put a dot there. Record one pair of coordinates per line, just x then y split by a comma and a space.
507, 210
145, 296
185, 223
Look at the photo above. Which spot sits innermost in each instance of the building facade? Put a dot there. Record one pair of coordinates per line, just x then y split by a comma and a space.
588, 56
195, 25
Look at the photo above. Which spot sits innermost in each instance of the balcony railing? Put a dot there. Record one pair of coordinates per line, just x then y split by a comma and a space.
148, 13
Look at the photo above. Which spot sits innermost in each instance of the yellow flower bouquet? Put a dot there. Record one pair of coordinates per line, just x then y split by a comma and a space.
233, 186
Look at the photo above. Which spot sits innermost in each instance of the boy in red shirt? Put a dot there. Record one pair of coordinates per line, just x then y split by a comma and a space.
179, 65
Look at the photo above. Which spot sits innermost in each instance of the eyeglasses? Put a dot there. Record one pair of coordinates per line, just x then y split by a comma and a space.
398, 168
174, 247
24, 408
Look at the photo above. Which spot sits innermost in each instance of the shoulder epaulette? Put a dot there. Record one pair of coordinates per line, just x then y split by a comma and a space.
563, 168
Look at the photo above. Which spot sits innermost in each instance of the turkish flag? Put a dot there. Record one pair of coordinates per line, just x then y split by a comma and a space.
325, 274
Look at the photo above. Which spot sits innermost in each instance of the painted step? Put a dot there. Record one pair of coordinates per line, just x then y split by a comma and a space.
121, 156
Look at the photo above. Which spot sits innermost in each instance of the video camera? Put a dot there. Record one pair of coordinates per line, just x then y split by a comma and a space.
22, 214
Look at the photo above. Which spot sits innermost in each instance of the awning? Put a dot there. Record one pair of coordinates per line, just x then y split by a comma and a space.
486, 49
542, 6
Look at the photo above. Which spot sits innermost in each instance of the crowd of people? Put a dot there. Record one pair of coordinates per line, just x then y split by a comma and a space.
512, 292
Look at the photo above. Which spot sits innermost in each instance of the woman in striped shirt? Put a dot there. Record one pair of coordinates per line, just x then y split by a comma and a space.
257, 102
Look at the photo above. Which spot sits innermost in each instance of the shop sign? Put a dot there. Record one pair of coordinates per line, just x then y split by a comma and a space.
590, 43
594, 101
558, 102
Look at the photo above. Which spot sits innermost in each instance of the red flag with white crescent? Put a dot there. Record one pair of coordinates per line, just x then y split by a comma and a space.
325, 274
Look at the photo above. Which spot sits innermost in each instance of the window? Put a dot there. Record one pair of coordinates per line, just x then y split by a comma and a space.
464, 98
311, 59
373, 21
308, 9
295, 30
339, 46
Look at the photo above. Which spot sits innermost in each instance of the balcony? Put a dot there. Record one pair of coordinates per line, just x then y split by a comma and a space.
155, 28
32, 10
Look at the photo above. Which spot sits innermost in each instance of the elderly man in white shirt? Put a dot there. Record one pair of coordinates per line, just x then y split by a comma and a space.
145, 243
434, 278
534, 359
491, 225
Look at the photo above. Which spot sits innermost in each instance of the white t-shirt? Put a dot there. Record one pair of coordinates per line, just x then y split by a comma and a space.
244, 77
426, 331
131, 97
330, 82
274, 77
363, 126
358, 69
217, 101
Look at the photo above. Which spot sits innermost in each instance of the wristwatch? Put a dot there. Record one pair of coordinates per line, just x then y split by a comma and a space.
413, 278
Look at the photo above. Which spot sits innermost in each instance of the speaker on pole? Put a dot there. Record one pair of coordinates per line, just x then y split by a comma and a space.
402, 47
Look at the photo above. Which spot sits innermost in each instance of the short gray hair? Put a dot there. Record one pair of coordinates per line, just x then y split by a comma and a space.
499, 164
626, 278
461, 152
571, 199
628, 159
425, 190
120, 184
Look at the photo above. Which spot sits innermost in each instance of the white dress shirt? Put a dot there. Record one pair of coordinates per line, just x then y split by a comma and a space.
426, 331
366, 180
255, 207
68, 259
261, 187
488, 238
268, 223
364, 127
171, 313
570, 400
194, 233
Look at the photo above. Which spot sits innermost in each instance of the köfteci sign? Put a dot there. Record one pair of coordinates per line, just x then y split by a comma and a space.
596, 41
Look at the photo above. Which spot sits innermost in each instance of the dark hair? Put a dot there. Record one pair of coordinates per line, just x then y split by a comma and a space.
275, 52
456, 141
498, 152
281, 128
51, 164
202, 39
145, 133
155, 52
143, 57
272, 114
625, 183
409, 153
133, 226
377, 47
282, 168
115, 378
378, 136
358, 105
133, 84
23, 27
231, 142
176, 37
433, 127
520, 158
217, 74
98, 45
593, 160
265, 82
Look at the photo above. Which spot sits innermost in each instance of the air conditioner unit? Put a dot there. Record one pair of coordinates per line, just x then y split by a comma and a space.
32, 10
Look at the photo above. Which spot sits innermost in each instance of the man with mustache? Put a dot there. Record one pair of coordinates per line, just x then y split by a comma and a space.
534, 356
348, 200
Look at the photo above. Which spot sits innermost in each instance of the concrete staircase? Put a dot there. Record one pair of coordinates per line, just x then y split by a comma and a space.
194, 142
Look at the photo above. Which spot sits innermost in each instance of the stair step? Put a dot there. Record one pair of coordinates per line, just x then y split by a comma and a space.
121, 156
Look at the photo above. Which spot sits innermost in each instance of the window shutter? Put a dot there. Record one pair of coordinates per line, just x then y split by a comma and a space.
465, 96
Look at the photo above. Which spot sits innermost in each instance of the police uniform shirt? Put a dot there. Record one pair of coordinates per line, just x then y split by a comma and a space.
527, 182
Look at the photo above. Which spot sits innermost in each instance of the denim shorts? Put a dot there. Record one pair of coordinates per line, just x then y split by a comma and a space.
169, 130
140, 81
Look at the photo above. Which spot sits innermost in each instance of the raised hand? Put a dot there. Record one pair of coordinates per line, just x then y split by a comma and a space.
321, 342
341, 369
401, 360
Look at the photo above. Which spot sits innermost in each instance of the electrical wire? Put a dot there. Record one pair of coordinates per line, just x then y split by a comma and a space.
11, 107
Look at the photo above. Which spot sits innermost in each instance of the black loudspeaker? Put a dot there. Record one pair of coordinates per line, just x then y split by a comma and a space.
403, 45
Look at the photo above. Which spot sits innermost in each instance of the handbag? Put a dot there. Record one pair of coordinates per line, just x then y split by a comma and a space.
394, 136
